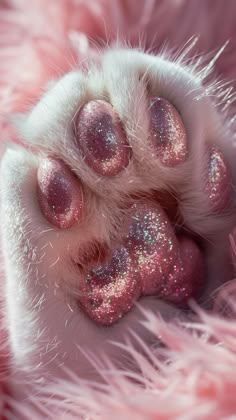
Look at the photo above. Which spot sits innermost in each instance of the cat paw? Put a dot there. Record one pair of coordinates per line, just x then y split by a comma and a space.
125, 193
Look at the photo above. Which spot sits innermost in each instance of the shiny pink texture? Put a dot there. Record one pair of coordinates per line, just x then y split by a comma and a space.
150, 261
218, 186
185, 280
109, 291
102, 139
170, 267
60, 194
167, 133
153, 246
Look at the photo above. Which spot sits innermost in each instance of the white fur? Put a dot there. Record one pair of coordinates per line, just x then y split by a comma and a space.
48, 332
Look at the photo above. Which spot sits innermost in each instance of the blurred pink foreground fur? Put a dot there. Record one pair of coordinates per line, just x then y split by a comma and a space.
41, 40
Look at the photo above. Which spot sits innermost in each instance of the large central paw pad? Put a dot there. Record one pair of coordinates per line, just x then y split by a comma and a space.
150, 261
153, 257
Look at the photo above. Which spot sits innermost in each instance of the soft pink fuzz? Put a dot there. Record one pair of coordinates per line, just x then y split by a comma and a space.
198, 383
41, 40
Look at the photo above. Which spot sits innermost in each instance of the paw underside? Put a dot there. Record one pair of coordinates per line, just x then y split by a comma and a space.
142, 190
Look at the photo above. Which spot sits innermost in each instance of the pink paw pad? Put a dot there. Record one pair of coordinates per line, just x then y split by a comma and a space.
101, 138
150, 261
218, 185
60, 193
168, 136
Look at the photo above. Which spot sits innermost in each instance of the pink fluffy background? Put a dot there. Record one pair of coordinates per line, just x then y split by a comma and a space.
41, 40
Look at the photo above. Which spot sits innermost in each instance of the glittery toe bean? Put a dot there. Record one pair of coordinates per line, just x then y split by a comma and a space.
60, 194
101, 138
167, 132
218, 185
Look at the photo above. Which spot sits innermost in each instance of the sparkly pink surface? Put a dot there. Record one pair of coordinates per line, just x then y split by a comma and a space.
168, 136
101, 138
218, 186
60, 193
150, 261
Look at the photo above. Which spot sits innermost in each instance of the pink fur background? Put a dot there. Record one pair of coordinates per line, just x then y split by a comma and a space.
41, 40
